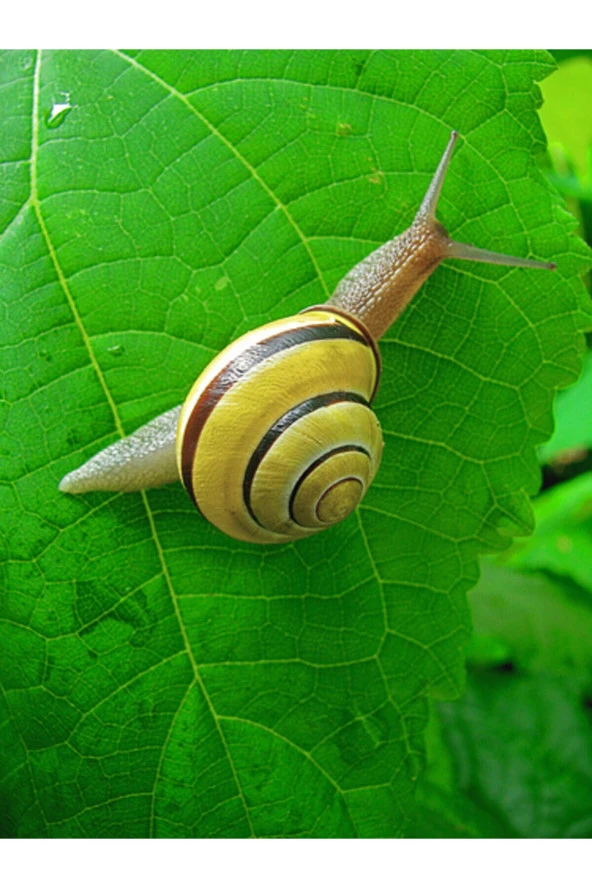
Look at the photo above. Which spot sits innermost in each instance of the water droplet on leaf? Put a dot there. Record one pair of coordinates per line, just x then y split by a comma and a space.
57, 115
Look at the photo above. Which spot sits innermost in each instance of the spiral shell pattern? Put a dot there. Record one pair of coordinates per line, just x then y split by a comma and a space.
276, 439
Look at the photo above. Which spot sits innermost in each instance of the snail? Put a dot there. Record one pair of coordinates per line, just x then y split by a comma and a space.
277, 438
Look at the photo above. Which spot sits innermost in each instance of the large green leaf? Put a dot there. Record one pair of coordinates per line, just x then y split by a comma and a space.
160, 679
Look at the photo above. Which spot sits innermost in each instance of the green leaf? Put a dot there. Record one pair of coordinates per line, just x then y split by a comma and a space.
562, 542
513, 756
565, 116
158, 678
544, 624
573, 417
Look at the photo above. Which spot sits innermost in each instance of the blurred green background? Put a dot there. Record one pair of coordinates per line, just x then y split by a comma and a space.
513, 756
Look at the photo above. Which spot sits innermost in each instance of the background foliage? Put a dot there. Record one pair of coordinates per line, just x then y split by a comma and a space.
513, 757
157, 678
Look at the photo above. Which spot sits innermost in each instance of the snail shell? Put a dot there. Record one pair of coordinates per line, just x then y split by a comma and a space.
276, 439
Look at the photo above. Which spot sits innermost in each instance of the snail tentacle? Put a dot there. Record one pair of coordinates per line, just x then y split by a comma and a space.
476, 254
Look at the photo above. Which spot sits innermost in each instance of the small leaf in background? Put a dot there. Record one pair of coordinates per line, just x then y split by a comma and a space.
573, 419
565, 112
562, 541
567, 97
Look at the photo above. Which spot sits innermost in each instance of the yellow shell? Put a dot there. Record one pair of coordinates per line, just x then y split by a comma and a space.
276, 439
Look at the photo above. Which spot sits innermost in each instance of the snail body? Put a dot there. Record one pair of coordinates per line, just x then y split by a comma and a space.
277, 439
